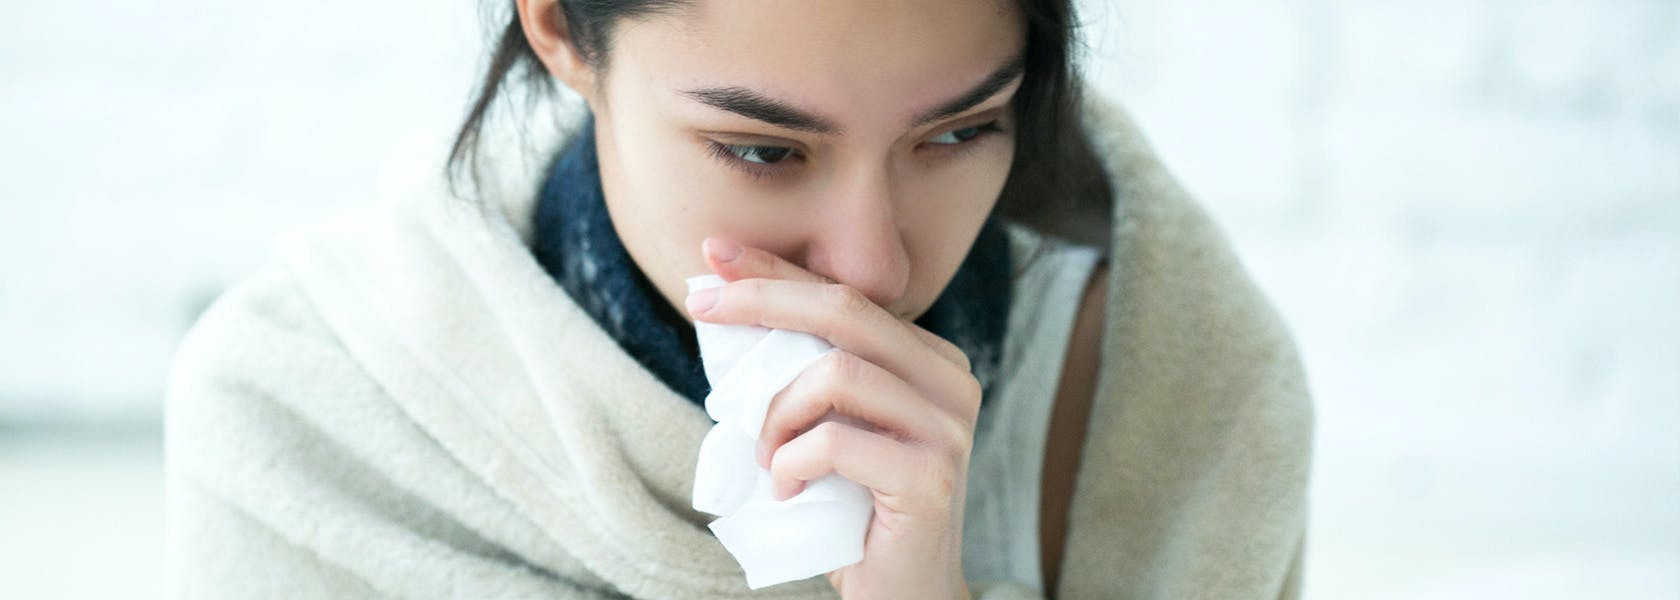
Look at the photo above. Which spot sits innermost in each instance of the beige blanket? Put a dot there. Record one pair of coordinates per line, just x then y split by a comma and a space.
406, 405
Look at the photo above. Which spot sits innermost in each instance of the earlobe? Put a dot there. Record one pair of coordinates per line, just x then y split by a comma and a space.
546, 32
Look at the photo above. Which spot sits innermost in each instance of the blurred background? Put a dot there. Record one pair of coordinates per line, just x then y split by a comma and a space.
1468, 210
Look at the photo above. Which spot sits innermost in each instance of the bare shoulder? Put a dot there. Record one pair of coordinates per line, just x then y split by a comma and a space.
1067, 423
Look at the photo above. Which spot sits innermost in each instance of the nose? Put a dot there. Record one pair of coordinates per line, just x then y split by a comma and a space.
856, 239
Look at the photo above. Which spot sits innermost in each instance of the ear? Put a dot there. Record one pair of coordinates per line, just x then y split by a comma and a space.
545, 29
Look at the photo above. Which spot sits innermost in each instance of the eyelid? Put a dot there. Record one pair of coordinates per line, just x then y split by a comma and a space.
736, 138
992, 119
995, 113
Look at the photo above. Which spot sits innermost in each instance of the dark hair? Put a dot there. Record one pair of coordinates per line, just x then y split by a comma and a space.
1056, 183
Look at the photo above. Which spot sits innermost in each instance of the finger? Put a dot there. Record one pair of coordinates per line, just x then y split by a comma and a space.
847, 385
944, 347
889, 467
839, 314
734, 261
966, 403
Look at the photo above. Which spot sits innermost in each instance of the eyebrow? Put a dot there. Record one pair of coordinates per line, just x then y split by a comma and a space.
753, 105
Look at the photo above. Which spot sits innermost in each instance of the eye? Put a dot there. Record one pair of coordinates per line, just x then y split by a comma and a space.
759, 162
764, 155
963, 135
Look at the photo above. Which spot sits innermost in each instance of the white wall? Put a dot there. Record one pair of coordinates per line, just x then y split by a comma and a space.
1468, 211
1470, 214
153, 149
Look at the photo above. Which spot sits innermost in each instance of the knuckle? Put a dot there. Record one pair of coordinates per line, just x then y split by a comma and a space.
781, 409
946, 348
969, 401
781, 464
752, 287
757, 261
962, 357
751, 294
972, 389
827, 379
825, 437
957, 436
841, 368
846, 299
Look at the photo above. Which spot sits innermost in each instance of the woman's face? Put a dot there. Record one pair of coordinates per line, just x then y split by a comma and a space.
864, 141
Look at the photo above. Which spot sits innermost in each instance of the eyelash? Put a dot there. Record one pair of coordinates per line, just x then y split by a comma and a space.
722, 152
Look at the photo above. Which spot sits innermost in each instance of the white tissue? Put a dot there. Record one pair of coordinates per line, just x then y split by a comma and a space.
816, 531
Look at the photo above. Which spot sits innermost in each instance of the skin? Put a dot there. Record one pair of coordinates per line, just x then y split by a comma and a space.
1068, 418
850, 236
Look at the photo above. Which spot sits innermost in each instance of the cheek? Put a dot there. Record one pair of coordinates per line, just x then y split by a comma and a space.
666, 196
661, 210
703, 197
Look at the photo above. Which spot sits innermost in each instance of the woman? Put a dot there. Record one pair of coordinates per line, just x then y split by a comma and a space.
487, 384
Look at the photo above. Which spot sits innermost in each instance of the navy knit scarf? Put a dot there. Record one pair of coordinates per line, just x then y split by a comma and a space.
574, 240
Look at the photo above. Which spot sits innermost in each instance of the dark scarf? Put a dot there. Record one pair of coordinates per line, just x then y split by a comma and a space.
574, 240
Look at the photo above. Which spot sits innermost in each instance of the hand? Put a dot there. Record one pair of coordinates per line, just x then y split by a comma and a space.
911, 393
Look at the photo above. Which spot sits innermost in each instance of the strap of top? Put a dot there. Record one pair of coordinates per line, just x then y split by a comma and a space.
1001, 538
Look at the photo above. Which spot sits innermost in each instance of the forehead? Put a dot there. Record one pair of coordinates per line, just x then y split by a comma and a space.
847, 58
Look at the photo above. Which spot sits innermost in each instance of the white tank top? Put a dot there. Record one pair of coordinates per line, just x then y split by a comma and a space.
1000, 522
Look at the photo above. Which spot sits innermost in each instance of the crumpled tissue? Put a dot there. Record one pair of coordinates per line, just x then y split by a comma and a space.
818, 530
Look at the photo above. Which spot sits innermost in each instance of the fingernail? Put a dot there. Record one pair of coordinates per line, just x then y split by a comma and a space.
723, 250
701, 301
762, 455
